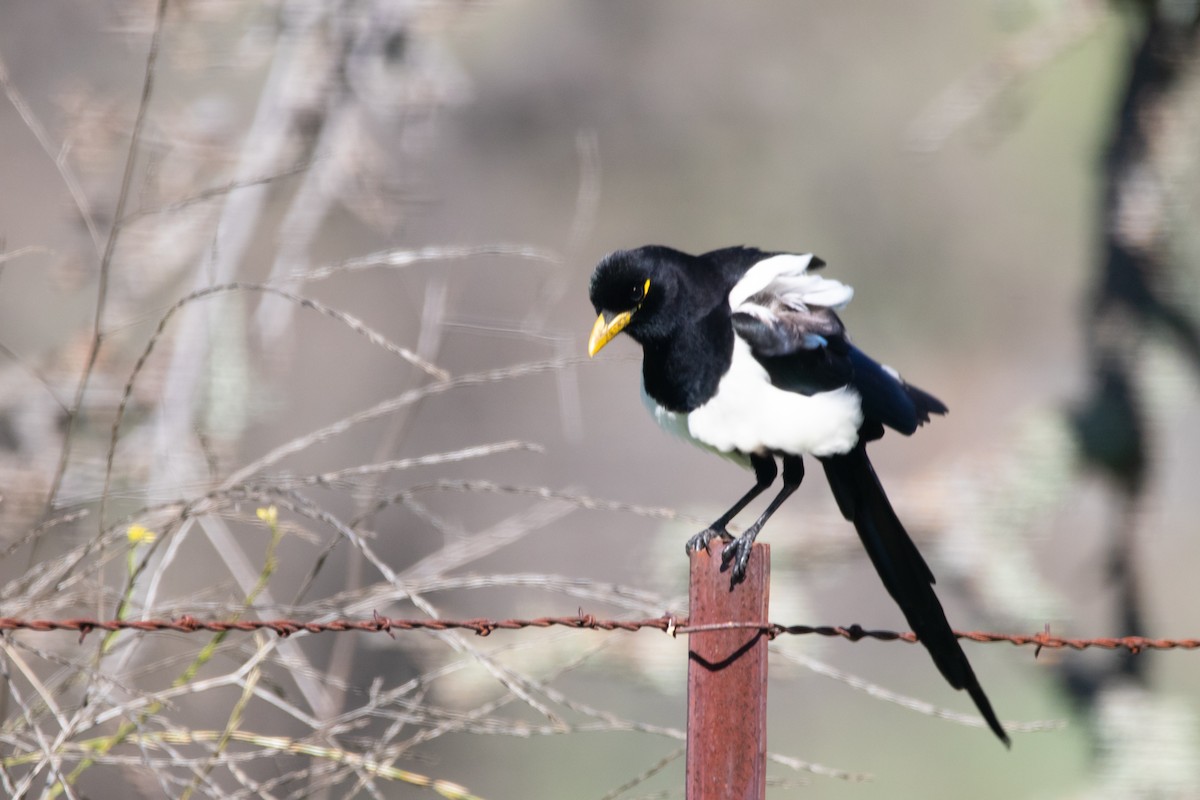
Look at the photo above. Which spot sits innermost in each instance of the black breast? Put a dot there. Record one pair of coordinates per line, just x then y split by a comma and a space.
683, 372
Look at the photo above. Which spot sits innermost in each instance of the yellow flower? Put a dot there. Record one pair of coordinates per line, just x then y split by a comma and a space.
139, 535
269, 515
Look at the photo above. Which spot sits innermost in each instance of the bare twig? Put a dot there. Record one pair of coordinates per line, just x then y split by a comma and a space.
106, 258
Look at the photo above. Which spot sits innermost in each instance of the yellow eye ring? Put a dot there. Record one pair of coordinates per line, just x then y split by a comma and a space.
639, 293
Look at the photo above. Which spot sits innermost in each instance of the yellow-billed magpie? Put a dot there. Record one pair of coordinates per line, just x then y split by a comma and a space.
743, 354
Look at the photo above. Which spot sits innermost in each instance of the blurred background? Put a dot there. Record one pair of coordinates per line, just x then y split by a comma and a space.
332, 258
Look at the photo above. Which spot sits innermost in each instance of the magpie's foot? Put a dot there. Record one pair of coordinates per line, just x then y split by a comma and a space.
735, 558
700, 540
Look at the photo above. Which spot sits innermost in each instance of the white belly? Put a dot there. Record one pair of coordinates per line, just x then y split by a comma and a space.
749, 415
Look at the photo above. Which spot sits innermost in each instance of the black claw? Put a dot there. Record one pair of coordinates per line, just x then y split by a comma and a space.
700, 540
735, 558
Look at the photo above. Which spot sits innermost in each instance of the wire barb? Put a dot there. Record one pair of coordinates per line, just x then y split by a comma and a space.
667, 623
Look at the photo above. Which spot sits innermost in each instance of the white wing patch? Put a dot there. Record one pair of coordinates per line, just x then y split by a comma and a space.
787, 277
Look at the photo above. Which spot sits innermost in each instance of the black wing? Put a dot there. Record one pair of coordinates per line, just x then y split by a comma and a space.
734, 262
805, 350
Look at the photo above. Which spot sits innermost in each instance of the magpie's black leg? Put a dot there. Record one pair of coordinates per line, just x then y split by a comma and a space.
764, 475
736, 554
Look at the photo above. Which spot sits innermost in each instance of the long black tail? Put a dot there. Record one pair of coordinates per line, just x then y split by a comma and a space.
905, 574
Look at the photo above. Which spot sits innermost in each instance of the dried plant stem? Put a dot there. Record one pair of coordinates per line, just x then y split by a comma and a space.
106, 258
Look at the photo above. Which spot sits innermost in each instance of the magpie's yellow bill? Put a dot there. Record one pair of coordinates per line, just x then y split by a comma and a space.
605, 329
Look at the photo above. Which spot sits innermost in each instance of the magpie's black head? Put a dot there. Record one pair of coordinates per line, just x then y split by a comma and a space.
638, 291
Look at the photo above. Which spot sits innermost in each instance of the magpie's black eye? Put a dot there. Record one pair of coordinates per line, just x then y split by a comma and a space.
638, 293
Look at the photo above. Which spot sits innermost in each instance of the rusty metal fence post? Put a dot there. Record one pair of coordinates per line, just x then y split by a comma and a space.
727, 680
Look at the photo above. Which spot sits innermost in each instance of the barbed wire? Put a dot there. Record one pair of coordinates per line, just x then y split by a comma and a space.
669, 624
